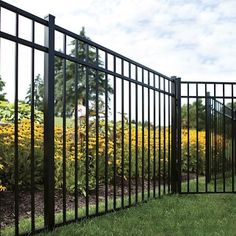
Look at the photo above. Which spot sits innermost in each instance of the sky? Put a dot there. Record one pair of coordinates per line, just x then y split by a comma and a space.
192, 39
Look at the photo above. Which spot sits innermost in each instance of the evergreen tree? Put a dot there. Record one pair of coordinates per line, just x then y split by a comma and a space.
70, 81
38, 93
193, 114
93, 59
2, 94
229, 105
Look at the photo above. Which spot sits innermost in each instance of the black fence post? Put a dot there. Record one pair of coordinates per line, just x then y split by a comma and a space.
178, 133
234, 138
49, 184
173, 134
208, 135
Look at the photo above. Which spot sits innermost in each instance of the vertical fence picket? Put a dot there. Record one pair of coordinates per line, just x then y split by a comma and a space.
232, 136
106, 134
64, 133
164, 139
32, 151
154, 138
136, 137
16, 146
188, 142
148, 154
143, 153
173, 146
197, 141
122, 135
97, 145
130, 138
114, 137
169, 133
179, 134
76, 132
207, 140
159, 137
215, 139
87, 131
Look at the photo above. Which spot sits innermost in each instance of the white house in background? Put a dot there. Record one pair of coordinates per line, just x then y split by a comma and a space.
81, 111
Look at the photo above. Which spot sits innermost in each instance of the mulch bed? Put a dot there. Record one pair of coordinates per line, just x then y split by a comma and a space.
7, 200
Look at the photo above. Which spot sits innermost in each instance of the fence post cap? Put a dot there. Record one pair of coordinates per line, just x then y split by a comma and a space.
49, 16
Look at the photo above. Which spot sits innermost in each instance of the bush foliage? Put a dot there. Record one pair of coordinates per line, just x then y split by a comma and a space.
7, 153
7, 112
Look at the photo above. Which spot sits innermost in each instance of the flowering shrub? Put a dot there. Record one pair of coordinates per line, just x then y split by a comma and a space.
7, 153
2, 188
193, 151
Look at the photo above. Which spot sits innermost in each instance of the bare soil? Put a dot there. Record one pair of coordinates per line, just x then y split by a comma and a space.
7, 200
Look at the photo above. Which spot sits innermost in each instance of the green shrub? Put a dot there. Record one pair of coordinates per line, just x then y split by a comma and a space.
7, 112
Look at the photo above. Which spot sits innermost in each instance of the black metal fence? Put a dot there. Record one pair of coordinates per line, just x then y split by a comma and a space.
208, 137
110, 133
105, 141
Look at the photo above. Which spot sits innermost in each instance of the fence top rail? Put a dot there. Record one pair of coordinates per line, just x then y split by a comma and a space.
217, 101
23, 13
227, 110
230, 116
204, 97
228, 113
208, 82
112, 73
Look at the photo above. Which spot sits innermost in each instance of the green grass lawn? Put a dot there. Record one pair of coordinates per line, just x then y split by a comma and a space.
213, 214
203, 214
69, 122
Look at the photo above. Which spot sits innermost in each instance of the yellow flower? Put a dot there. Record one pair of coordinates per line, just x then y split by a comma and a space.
2, 188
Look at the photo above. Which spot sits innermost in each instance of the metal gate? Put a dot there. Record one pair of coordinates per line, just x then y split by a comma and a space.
207, 159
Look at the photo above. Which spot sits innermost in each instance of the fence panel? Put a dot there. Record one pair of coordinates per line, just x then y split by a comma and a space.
92, 135
22, 127
208, 140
